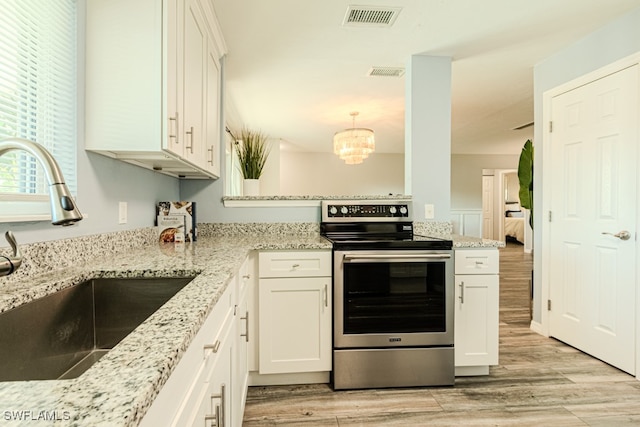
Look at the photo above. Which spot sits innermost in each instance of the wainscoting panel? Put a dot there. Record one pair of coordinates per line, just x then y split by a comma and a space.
467, 222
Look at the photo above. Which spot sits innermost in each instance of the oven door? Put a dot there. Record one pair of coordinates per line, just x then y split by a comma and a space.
393, 298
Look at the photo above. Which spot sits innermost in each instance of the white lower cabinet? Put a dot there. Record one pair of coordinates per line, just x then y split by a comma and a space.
295, 315
244, 337
295, 321
209, 385
477, 288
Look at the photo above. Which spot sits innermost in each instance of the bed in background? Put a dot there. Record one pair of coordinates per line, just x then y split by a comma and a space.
514, 222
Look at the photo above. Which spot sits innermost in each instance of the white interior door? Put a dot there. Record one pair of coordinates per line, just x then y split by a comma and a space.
487, 207
592, 275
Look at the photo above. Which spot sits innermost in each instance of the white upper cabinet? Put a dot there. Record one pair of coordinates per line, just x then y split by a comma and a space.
153, 84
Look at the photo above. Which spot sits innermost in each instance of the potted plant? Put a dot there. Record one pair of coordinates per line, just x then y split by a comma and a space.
525, 176
252, 152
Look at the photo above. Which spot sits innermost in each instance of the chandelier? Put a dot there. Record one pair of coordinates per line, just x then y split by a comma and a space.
355, 144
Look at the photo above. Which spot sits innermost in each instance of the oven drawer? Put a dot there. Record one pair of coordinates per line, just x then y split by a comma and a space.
477, 261
294, 263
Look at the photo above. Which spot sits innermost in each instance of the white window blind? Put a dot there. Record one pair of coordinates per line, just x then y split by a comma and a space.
38, 51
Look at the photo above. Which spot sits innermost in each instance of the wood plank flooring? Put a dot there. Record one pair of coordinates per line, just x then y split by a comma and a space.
539, 382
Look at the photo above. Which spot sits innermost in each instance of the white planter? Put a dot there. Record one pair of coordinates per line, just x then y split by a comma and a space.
251, 187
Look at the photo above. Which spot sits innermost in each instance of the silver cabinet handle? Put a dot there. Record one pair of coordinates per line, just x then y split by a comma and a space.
190, 133
461, 297
215, 346
219, 413
326, 295
175, 134
622, 235
246, 335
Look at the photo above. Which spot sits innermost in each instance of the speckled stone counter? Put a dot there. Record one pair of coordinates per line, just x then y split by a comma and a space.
444, 230
463, 242
118, 390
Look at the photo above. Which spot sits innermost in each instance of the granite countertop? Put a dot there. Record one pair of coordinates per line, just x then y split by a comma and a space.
466, 242
118, 390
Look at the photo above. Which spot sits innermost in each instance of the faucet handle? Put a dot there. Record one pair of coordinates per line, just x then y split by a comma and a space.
14, 244
11, 263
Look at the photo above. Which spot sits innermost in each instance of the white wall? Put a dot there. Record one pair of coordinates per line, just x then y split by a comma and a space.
612, 42
325, 174
466, 176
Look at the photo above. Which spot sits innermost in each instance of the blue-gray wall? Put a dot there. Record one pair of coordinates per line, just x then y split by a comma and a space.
615, 41
102, 183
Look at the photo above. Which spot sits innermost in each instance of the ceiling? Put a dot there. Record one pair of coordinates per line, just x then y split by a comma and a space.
295, 72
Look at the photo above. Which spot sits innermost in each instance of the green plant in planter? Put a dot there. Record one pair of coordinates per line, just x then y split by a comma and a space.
525, 177
252, 151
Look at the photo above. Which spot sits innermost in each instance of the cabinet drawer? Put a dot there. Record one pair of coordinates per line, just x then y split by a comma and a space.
294, 264
477, 261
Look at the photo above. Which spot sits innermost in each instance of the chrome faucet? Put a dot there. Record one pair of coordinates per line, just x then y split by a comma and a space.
63, 209
9, 264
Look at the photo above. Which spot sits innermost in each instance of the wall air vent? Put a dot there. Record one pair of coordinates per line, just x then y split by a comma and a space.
370, 16
386, 72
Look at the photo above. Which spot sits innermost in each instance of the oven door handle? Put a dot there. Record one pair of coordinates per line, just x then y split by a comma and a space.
395, 257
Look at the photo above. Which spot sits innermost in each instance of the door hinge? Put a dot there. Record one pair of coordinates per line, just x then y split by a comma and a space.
550, 127
550, 216
548, 305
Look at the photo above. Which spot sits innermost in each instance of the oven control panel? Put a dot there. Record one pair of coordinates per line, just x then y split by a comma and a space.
378, 211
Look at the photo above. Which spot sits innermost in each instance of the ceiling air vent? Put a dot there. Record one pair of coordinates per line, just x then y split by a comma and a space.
371, 16
386, 72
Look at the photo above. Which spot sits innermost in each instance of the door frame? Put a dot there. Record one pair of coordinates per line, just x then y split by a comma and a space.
545, 274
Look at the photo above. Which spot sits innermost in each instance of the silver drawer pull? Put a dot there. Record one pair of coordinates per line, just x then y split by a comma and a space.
215, 346
219, 413
246, 335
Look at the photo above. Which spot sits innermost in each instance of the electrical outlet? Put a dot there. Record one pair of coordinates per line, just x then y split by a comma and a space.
122, 212
429, 211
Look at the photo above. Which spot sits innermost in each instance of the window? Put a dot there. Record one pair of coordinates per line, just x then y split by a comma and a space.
38, 99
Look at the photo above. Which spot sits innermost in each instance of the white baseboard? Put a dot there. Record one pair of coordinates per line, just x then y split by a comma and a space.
537, 328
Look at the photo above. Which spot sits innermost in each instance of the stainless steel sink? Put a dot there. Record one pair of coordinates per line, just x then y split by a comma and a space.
61, 335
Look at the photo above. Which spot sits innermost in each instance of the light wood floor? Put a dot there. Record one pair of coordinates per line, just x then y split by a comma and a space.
539, 382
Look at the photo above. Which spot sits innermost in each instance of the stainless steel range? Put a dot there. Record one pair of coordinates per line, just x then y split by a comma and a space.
393, 297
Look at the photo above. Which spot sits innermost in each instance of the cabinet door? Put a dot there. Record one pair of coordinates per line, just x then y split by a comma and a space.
211, 143
240, 374
476, 320
213, 398
295, 325
193, 80
172, 139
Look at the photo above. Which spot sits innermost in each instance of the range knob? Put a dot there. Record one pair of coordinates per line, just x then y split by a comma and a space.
393, 210
333, 210
403, 210
344, 210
